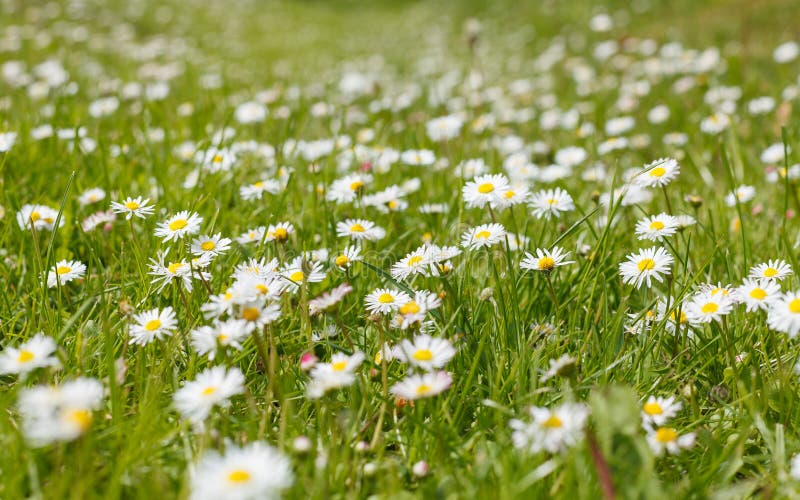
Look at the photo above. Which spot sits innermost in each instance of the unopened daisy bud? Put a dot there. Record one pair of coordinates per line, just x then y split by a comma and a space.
301, 444
307, 361
125, 308
370, 468
486, 294
373, 373
362, 446
719, 394
420, 469
694, 200
595, 196
688, 391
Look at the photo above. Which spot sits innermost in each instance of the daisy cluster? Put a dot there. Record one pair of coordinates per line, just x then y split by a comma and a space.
490, 262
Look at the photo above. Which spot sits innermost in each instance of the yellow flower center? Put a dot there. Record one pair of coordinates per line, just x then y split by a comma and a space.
546, 263
209, 390
207, 246
553, 423
758, 293
297, 276
423, 355
174, 267
258, 185
794, 306
423, 389
486, 188
178, 224
341, 260
658, 172
646, 264
482, 235
63, 270
80, 417
239, 476
770, 272
656, 225
217, 159
510, 194
35, 216
251, 313
339, 366
131, 205
355, 186
152, 325
666, 435
393, 204
357, 228
385, 298
410, 307
653, 408
552, 201
280, 234
25, 356
262, 289
416, 259
709, 307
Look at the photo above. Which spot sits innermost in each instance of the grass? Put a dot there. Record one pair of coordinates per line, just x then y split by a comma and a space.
506, 324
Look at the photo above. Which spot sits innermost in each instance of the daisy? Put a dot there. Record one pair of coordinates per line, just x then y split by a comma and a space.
131, 207
206, 339
166, 272
65, 271
658, 173
210, 245
656, 227
741, 194
388, 200
59, 413
359, 229
255, 470
328, 299
545, 260
385, 301
279, 232
212, 387
178, 226
422, 386
421, 157
715, 123
444, 128
656, 411
253, 287
773, 270
553, 430
516, 194
667, 439
41, 217
340, 372
152, 324
300, 271
550, 203
758, 294
706, 307
649, 263
348, 188
255, 235
412, 312
254, 191
345, 259
416, 262
37, 352
104, 218
259, 314
482, 236
485, 189
784, 314
91, 196
425, 352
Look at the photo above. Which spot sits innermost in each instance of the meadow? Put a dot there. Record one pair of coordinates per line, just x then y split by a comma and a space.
305, 249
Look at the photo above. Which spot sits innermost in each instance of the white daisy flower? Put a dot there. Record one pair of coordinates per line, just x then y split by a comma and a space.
385, 300
359, 229
425, 352
553, 430
550, 203
656, 411
784, 314
210, 245
345, 259
133, 207
255, 470
65, 271
37, 352
656, 227
773, 270
667, 439
416, 262
485, 189
212, 387
646, 265
482, 236
152, 324
658, 173
758, 294
741, 194
422, 386
340, 372
178, 226
706, 307
91, 196
546, 260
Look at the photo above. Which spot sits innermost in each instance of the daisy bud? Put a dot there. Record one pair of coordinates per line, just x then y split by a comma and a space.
362, 446
790, 214
486, 294
420, 469
366, 166
370, 468
595, 196
307, 361
301, 444
125, 308
719, 394
373, 373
